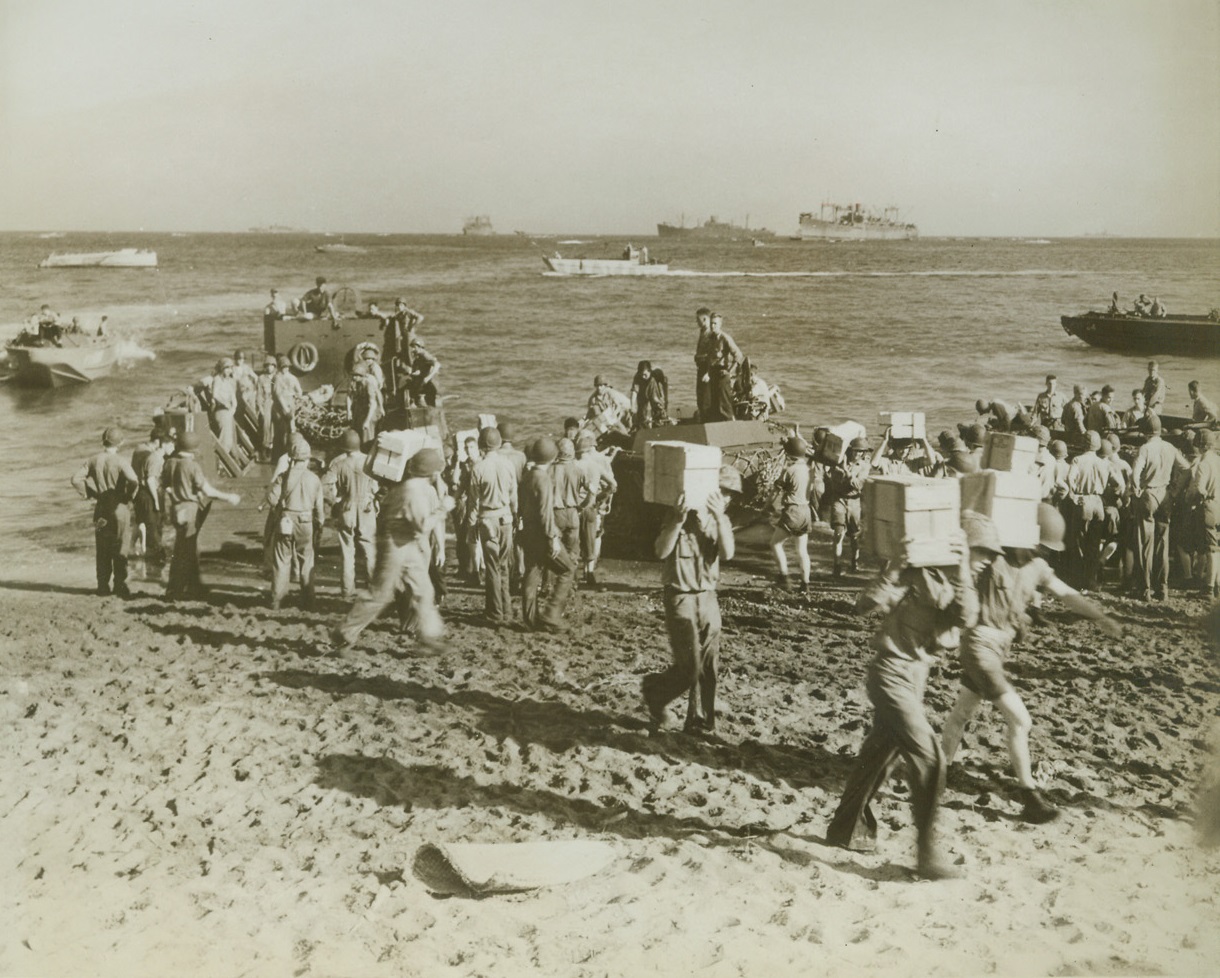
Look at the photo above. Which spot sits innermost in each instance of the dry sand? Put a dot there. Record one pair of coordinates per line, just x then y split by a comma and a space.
198, 789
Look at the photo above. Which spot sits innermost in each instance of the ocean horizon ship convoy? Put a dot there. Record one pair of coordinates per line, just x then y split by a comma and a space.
854, 222
480, 224
712, 228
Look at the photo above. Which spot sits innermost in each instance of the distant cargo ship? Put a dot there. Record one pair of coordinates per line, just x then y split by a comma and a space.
712, 228
854, 222
480, 225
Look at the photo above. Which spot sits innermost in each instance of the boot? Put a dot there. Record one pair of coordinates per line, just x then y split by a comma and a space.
1037, 810
781, 582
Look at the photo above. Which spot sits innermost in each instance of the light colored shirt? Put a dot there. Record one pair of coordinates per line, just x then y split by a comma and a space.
351, 490
493, 481
694, 563
1155, 465
1088, 475
299, 491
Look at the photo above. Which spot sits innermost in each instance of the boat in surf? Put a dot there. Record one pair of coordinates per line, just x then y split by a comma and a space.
718, 230
854, 222
77, 358
640, 265
1195, 335
123, 258
340, 249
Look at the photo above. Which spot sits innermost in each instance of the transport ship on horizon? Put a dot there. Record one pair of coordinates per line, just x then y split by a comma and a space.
854, 222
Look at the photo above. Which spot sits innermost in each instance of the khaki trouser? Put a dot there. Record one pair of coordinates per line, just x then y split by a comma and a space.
692, 619
403, 560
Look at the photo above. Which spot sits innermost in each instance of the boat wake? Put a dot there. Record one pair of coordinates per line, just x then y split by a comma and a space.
129, 352
929, 273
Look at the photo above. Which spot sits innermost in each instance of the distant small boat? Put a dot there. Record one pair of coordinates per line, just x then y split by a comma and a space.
123, 258
52, 234
479, 225
557, 265
82, 358
1198, 335
341, 249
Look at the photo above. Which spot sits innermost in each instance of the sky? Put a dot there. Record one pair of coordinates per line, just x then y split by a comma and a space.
1040, 117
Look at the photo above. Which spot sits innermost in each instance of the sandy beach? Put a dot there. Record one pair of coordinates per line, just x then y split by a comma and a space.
199, 789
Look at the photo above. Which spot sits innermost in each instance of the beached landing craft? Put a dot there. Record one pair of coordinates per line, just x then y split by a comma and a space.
1197, 335
81, 359
123, 258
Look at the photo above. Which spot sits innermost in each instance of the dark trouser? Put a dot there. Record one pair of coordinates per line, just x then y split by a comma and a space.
703, 393
692, 619
1152, 542
184, 580
1086, 523
720, 397
496, 539
900, 726
146, 514
531, 582
563, 583
110, 537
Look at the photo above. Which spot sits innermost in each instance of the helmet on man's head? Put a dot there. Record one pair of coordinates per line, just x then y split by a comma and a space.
425, 463
858, 445
112, 437
542, 450
489, 439
1051, 527
351, 440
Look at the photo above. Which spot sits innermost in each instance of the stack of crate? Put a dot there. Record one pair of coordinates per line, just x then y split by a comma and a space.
911, 518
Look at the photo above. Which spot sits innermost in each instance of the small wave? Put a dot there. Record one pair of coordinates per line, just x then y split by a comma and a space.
1037, 241
129, 351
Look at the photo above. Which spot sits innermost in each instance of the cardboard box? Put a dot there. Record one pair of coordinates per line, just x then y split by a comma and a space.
673, 468
834, 446
905, 424
393, 449
1010, 499
913, 518
1009, 453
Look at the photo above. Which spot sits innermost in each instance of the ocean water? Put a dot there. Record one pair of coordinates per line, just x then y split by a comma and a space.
846, 330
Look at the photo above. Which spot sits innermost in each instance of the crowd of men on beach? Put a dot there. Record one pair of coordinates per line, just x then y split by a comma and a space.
528, 521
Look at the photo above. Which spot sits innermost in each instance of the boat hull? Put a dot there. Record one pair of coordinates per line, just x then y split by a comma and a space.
715, 231
56, 366
123, 258
601, 266
1194, 335
829, 231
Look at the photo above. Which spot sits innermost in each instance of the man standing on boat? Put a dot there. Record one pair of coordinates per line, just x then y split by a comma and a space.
724, 356
1048, 406
703, 361
110, 481
1202, 409
285, 389
398, 331
317, 301
1155, 389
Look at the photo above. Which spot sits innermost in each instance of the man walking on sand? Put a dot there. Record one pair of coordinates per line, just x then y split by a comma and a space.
185, 488
109, 479
691, 544
924, 607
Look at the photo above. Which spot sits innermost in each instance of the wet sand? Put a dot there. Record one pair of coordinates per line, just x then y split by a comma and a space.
201, 789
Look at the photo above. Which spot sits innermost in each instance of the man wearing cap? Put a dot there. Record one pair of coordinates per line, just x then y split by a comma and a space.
1204, 495
353, 513
295, 499
1087, 480
924, 609
599, 478
405, 523
317, 302
274, 310
541, 541
607, 407
285, 389
690, 546
844, 484
108, 479
1155, 389
184, 489
493, 486
1006, 583
793, 519
223, 409
1152, 477
723, 356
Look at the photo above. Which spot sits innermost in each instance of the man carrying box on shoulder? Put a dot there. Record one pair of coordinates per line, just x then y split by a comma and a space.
691, 544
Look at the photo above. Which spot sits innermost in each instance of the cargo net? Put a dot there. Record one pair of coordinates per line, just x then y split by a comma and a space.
759, 468
321, 424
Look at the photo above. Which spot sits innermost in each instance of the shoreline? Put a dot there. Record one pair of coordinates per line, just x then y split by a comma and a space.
198, 789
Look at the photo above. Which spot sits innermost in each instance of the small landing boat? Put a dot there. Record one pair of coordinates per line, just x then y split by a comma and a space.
340, 249
80, 359
1195, 335
557, 265
123, 258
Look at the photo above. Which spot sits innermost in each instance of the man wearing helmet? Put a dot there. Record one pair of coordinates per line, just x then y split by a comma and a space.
351, 493
1006, 582
109, 480
295, 499
844, 483
691, 544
